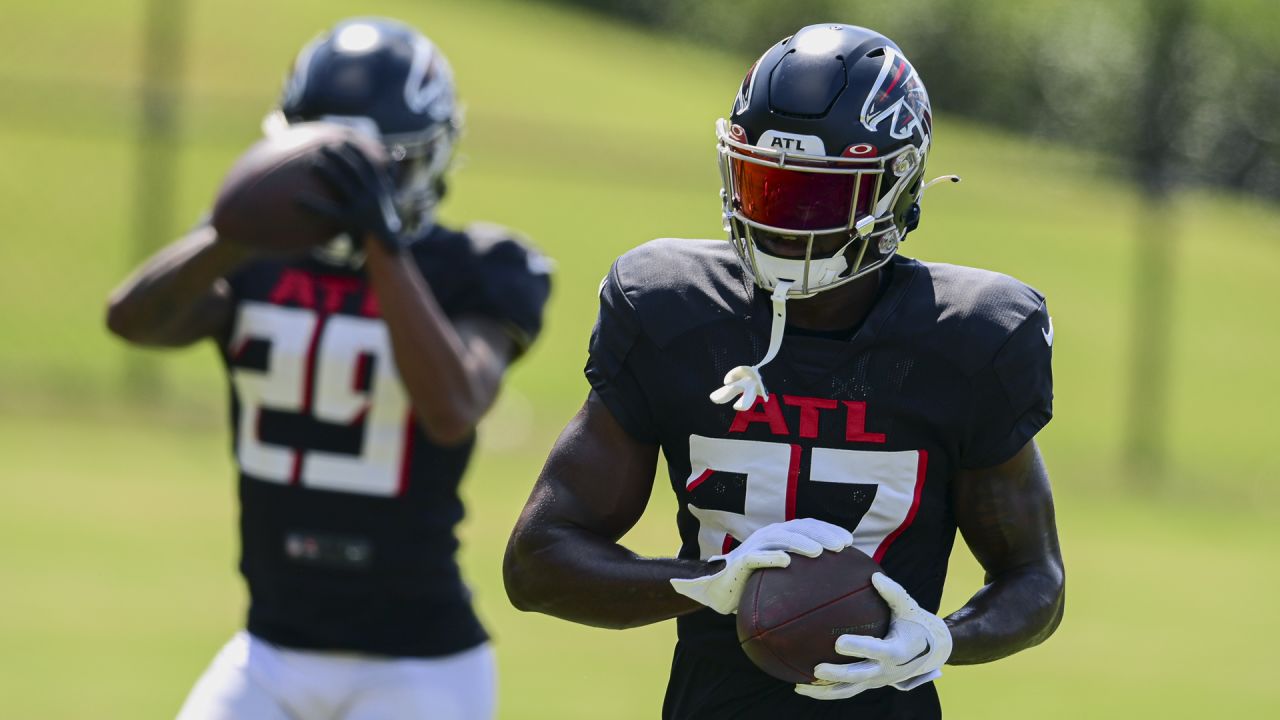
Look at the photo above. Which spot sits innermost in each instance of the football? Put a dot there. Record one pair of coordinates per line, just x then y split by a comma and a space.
257, 203
789, 618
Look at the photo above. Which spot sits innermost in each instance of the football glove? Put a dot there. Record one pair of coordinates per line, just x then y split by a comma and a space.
764, 548
910, 655
364, 203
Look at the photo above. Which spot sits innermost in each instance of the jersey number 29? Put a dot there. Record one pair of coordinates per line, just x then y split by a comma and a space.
314, 368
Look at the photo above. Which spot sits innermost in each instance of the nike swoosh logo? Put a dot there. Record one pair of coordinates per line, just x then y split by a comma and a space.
925, 651
1048, 334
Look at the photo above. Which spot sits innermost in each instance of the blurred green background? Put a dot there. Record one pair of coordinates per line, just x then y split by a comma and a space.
117, 545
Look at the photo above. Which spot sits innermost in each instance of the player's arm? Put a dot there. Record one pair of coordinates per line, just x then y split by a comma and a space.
1004, 509
1006, 516
179, 295
451, 372
564, 559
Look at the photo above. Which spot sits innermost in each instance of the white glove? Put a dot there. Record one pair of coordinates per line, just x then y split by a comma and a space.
764, 548
910, 655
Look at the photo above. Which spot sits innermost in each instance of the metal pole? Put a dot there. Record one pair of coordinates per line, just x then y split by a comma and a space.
155, 179
1159, 120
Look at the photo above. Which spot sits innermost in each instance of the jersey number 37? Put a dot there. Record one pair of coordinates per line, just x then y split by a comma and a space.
773, 480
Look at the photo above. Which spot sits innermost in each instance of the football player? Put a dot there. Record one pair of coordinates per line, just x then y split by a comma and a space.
810, 389
358, 372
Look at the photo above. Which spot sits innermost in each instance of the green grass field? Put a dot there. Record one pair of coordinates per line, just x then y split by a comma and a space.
117, 546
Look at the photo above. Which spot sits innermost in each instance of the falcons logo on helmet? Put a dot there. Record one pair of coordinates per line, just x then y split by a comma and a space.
898, 96
744, 93
429, 86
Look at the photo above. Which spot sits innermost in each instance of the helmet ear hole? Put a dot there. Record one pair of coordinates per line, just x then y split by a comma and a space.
912, 219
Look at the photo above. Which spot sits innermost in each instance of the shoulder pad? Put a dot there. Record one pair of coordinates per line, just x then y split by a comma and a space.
488, 270
676, 285
977, 311
485, 235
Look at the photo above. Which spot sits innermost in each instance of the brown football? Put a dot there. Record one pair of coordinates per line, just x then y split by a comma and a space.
789, 618
257, 203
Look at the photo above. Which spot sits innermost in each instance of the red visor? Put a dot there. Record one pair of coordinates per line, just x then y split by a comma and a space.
799, 200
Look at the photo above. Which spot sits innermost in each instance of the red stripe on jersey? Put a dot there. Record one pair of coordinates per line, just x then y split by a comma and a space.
406, 460
295, 475
362, 382
237, 352
309, 365
700, 479
308, 391
922, 467
793, 481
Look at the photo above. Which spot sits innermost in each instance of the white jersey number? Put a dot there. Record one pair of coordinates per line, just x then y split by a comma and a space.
772, 470
314, 368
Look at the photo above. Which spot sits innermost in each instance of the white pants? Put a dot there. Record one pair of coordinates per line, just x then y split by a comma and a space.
251, 679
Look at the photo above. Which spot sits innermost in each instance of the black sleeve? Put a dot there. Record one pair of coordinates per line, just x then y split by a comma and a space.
1013, 395
514, 283
236, 281
610, 358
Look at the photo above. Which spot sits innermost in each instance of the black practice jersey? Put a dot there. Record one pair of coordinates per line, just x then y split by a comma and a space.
347, 509
950, 370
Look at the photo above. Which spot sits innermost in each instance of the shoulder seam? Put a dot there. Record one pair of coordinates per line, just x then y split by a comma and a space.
622, 290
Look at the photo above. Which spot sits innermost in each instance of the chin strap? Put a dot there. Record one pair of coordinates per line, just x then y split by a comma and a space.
745, 381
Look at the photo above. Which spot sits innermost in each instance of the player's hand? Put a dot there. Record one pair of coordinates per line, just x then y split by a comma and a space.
764, 548
910, 655
364, 192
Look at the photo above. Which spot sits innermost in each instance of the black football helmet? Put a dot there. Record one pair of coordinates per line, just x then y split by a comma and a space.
826, 146
385, 78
